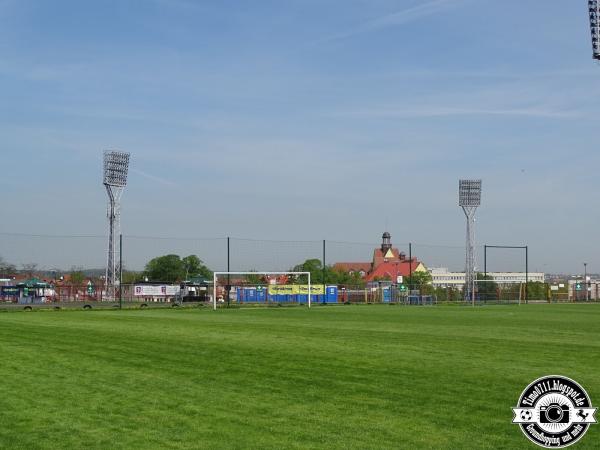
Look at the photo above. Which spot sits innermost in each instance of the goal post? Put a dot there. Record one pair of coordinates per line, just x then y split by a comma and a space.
525, 248
500, 291
260, 280
514, 290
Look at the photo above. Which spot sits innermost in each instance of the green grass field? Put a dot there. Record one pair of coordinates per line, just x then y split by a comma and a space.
330, 377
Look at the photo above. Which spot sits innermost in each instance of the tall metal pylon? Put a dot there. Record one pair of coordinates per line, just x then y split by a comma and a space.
116, 167
469, 198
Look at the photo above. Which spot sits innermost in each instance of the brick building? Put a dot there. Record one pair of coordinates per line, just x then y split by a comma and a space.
388, 263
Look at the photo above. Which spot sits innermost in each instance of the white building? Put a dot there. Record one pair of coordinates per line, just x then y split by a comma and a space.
577, 289
442, 277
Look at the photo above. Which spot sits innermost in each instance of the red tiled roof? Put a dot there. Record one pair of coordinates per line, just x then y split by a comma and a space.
379, 256
382, 267
352, 266
393, 269
379, 253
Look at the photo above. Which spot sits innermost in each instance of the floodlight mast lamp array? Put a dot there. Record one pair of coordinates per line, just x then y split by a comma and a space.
116, 167
469, 198
594, 11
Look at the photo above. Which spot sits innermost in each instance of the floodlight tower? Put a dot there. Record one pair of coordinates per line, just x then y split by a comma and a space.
116, 165
469, 198
594, 10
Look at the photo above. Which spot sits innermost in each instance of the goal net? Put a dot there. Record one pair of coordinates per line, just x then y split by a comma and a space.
265, 288
510, 291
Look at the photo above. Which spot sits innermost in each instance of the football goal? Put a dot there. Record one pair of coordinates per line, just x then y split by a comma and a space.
263, 288
509, 291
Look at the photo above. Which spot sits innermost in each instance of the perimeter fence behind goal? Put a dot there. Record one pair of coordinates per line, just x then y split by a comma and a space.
72, 269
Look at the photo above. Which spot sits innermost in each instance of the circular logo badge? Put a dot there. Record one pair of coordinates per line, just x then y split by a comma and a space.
554, 412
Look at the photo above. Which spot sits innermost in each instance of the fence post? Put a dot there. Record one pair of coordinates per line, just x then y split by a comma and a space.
120, 271
410, 267
485, 261
324, 282
526, 273
228, 269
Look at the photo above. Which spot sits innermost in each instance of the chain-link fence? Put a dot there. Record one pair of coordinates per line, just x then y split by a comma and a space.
54, 253
362, 272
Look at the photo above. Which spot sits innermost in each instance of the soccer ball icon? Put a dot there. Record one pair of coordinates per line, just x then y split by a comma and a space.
526, 415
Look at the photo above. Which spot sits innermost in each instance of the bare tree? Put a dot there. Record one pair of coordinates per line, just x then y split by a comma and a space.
6, 269
77, 275
29, 269
56, 273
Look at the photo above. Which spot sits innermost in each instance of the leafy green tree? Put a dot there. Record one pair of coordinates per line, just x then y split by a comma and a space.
454, 294
352, 280
255, 279
488, 290
512, 291
383, 278
420, 281
167, 268
130, 277
332, 276
536, 290
314, 266
171, 268
447, 294
194, 267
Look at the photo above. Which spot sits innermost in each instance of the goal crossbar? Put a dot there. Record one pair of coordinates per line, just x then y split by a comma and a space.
216, 274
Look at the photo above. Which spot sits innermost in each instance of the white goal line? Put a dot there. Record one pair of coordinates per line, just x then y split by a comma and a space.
216, 274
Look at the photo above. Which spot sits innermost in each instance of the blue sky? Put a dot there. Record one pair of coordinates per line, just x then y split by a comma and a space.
303, 120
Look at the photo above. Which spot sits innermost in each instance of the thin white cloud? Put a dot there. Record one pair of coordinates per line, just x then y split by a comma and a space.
444, 111
160, 180
398, 18
485, 74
